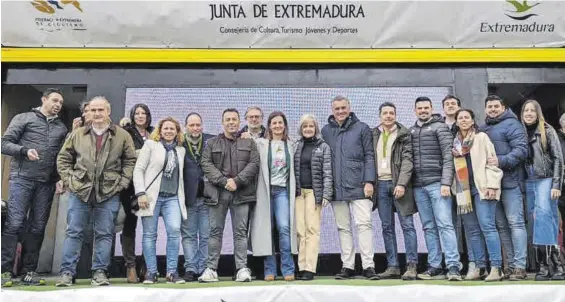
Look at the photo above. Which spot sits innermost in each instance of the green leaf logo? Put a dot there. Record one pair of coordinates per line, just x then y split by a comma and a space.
521, 7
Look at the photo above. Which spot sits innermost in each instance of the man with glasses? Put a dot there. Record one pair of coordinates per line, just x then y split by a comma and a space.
254, 128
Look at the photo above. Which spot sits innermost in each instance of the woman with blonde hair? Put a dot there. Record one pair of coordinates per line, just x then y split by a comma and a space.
314, 186
544, 171
158, 181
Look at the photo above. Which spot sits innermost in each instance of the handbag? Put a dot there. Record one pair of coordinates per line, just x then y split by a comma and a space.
133, 198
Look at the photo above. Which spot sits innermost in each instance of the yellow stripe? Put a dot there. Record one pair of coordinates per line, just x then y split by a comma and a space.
126, 55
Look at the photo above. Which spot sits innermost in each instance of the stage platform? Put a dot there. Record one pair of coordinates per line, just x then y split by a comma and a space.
322, 289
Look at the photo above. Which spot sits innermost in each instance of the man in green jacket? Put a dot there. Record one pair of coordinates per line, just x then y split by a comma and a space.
95, 164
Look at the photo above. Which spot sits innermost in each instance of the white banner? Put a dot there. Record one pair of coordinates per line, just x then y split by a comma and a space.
283, 24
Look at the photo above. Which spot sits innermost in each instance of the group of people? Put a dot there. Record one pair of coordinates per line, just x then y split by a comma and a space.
447, 169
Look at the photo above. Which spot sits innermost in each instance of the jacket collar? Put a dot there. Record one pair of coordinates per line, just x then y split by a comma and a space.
401, 130
111, 129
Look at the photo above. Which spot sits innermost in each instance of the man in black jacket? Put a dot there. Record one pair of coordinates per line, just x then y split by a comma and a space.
432, 178
33, 140
195, 229
231, 166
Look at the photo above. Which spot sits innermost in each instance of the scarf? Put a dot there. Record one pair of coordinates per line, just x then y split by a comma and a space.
461, 148
194, 146
170, 158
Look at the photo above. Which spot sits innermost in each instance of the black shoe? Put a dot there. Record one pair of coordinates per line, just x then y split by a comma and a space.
299, 275
453, 274
190, 276
346, 273
307, 276
432, 273
543, 274
370, 274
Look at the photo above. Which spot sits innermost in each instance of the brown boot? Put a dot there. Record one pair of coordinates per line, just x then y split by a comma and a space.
131, 275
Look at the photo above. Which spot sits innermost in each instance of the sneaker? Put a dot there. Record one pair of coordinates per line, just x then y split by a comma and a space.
65, 279
506, 273
209, 275
473, 273
411, 272
32, 278
99, 278
392, 272
495, 275
433, 273
173, 278
151, 278
289, 278
370, 274
243, 275
269, 278
190, 276
7, 279
518, 274
346, 273
453, 274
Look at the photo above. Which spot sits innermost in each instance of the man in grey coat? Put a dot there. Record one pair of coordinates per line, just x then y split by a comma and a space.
393, 161
353, 163
231, 166
432, 143
33, 140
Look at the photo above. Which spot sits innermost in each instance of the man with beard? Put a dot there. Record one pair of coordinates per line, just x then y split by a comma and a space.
511, 145
33, 140
432, 179
195, 229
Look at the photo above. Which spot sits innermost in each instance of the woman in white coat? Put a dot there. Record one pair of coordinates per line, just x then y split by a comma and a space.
158, 182
275, 200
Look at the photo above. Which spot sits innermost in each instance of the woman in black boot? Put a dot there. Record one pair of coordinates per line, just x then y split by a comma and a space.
544, 168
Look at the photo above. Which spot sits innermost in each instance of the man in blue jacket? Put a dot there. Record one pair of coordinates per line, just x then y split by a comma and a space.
353, 161
511, 145
195, 229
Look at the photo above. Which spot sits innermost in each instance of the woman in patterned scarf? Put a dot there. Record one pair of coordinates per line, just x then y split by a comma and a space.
159, 187
477, 189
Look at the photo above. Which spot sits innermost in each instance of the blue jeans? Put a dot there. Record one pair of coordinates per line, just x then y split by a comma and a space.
169, 208
435, 214
511, 226
195, 231
543, 215
78, 216
280, 208
480, 228
386, 214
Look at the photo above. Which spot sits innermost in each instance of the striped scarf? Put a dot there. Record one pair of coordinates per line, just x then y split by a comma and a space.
462, 147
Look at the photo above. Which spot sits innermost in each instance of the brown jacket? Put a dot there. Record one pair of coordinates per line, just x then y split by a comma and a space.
111, 173
247, 157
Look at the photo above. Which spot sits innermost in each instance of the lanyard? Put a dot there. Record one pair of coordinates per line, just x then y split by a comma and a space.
386, 135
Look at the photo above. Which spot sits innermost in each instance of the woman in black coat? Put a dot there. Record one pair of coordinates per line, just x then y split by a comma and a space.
138, 125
